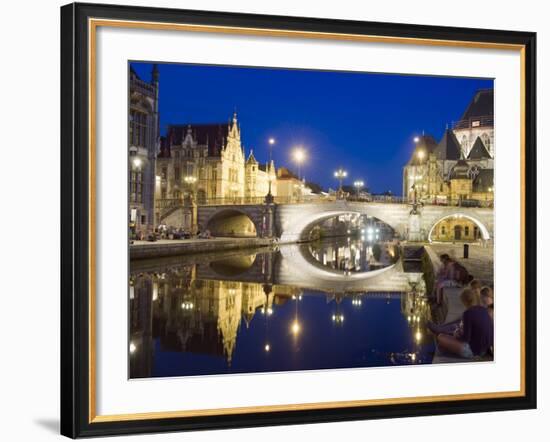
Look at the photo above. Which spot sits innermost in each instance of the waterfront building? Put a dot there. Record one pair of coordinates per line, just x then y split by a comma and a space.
290, 188
204, 160
143, 140
257, 178
459, 170
477, 121
206, 164
451, 171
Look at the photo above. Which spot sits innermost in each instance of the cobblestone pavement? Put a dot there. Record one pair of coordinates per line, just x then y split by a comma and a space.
480, 262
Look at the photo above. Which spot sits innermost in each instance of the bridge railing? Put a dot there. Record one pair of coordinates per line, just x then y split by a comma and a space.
170, 203
230, 201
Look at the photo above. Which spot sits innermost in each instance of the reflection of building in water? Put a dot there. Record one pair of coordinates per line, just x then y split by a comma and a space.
190, 315
417, 311
141, 293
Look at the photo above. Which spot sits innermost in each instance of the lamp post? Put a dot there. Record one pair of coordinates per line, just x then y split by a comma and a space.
271, 142
299, 155
190, 180
269, 197
340, 174
358, 185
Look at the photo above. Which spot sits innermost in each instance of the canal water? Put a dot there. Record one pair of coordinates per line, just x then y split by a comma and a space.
229, 313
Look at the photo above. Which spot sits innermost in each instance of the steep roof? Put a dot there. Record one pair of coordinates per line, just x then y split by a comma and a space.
284, 173
483, 181
481, 105
479, 151
212, 135
251, 158
449, 147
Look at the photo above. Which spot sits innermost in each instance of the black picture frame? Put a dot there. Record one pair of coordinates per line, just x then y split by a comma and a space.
75, 221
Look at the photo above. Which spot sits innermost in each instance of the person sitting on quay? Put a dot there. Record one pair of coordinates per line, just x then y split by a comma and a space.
487, 300
451, 274
475, 337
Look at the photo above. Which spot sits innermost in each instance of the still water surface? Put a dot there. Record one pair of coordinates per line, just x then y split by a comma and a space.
228, 313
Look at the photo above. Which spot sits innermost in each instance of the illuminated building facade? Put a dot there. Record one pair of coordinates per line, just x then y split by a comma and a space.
455, 172
143, 140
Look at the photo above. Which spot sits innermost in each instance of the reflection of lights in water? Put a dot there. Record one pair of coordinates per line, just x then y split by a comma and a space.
267, 347
269, 311
409, 318
413, 357
155, 291
187, 305
338, 318
295, 328
356, 301
133, 347
418, 336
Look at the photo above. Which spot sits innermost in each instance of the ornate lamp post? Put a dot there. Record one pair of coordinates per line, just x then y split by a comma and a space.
190, 180
358, 185
271, 142
340, 174
269, 196
299, 155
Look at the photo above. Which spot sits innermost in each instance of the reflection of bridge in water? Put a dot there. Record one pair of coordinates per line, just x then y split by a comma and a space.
290, 265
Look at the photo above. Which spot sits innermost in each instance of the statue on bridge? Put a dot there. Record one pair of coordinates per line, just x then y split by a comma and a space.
415, 232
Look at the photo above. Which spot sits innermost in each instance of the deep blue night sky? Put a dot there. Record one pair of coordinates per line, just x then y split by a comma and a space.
363, 122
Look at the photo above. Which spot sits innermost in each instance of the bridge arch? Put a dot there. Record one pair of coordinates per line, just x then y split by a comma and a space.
232, 222
296, 221
234, 266
482, 227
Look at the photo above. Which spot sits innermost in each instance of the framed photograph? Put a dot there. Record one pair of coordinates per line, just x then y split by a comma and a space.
275, 220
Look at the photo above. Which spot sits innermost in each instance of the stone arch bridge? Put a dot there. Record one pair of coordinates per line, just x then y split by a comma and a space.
292, 222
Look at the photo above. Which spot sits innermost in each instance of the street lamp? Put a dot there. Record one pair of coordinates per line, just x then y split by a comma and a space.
358, 185
340, 174
299, 155
189, 179
271, 142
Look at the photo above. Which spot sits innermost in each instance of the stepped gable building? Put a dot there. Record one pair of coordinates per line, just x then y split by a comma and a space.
143, 142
